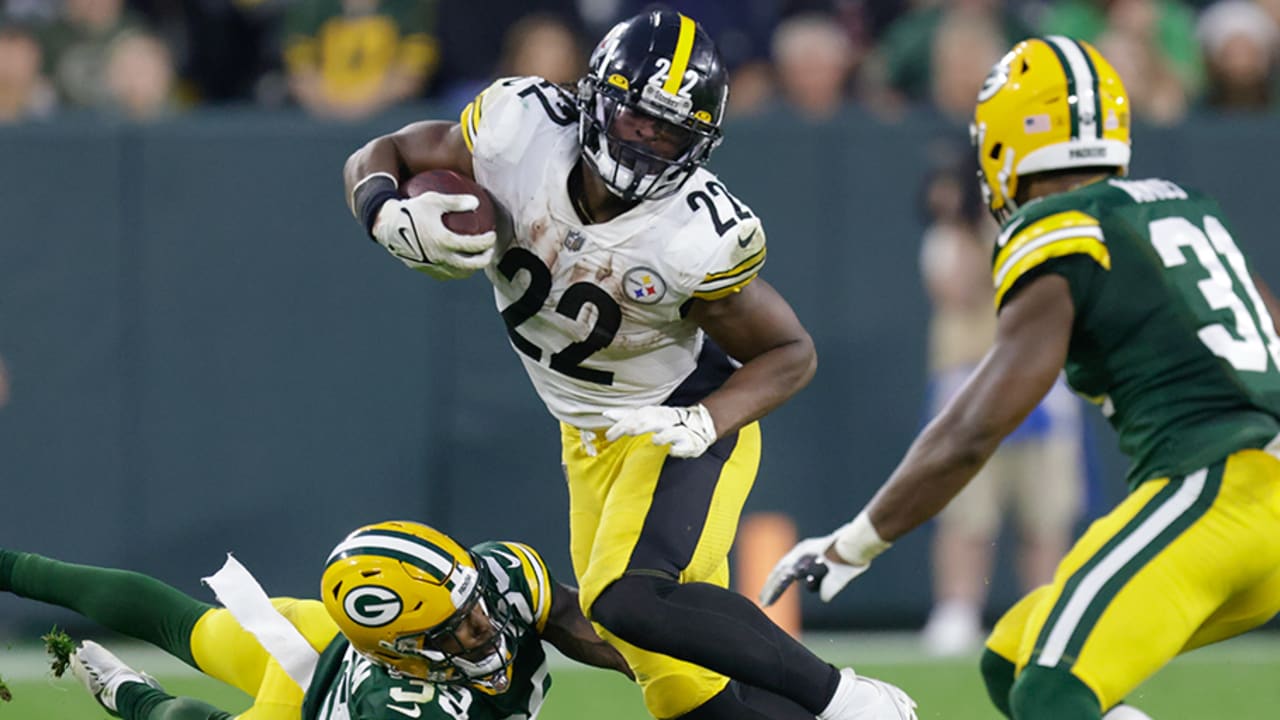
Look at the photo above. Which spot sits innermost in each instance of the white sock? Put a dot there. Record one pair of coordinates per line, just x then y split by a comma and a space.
841, 701
1126, 712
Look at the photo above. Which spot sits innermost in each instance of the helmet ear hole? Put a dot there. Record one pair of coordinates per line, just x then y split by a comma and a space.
996, 150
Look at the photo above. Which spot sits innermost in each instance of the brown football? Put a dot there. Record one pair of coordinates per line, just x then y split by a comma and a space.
481, 220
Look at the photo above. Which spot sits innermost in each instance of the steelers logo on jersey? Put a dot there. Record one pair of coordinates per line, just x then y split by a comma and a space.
644, 285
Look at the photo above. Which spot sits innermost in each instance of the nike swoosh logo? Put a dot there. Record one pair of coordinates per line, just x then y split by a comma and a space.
745, 241
422, 255
415, 712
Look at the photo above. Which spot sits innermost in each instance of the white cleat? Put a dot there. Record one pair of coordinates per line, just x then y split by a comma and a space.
102, 674
864, 698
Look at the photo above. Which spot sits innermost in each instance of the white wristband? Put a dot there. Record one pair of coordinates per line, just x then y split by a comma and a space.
857, 542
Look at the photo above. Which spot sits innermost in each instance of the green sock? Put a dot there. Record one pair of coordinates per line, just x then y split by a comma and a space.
7, 559
127, 602
998, 675
1042, 693
138, 701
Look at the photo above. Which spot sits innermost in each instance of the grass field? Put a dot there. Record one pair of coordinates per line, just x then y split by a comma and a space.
1237, 680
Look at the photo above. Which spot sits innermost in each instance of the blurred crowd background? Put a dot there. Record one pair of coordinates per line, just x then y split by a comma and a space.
350, 59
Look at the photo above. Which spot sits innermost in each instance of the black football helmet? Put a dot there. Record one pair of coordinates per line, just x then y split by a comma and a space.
661, 69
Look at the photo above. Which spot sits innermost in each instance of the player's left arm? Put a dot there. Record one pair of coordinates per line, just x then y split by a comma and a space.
572, 634
757, 327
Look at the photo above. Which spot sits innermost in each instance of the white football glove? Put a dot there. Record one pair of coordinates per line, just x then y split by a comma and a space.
688, 430
855, 542
808, 563
412, 229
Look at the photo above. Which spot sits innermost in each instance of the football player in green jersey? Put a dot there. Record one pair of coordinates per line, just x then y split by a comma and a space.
411, 624
1138, 290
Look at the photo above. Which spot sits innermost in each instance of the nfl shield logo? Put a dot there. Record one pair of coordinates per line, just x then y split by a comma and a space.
643, 285
574, 240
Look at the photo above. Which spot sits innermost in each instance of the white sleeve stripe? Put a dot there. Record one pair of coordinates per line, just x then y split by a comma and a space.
530, 558
1069, 233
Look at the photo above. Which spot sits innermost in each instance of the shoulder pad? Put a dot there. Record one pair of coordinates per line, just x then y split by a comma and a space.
528, 573
728, 236
506, 115
1032, 238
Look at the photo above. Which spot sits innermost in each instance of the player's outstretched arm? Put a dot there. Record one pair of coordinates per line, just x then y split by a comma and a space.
757, 327
1032, 335
572, 634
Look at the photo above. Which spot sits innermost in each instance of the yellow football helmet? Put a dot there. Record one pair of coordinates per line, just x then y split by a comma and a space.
400, 591
1051, 103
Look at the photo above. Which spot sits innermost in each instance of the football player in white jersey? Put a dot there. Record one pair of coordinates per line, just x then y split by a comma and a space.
627, 278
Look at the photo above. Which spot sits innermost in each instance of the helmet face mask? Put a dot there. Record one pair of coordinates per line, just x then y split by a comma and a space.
411, 600
651, 105
455, 658
1050, 104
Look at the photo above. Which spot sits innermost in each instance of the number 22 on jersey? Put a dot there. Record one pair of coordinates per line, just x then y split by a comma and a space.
1251, 338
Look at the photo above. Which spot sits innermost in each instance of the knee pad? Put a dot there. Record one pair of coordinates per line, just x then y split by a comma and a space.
998, 676
1042, 693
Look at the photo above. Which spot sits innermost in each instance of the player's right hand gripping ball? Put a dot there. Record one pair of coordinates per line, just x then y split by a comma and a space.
445, 226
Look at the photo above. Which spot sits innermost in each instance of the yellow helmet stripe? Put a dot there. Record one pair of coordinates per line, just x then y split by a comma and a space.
680, 60
1082, 85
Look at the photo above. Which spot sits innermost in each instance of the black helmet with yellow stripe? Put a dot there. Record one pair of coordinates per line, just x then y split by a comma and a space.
651, 104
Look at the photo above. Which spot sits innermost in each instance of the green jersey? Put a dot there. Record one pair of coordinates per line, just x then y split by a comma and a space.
1171, 337
347, 686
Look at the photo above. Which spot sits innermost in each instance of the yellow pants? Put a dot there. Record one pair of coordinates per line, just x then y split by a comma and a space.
634, 509
1179, 564
224, 650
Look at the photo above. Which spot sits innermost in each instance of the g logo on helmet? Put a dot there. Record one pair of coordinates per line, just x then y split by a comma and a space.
372, 605
996, 79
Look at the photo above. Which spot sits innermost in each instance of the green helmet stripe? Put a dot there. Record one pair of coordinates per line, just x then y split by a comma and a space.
1082, 86
422, 554
1071, 85
1097, 96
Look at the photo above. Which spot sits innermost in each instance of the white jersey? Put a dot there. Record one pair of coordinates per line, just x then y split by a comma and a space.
597, 311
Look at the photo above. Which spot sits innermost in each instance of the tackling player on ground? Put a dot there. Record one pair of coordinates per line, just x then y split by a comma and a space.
629, 287
411, 625
1138, 289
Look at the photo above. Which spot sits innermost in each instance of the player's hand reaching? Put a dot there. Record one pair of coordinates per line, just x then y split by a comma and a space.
688, 430
413, 230
808, 563
826, 564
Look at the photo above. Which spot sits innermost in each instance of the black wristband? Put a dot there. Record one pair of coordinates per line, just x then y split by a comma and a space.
369, 197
